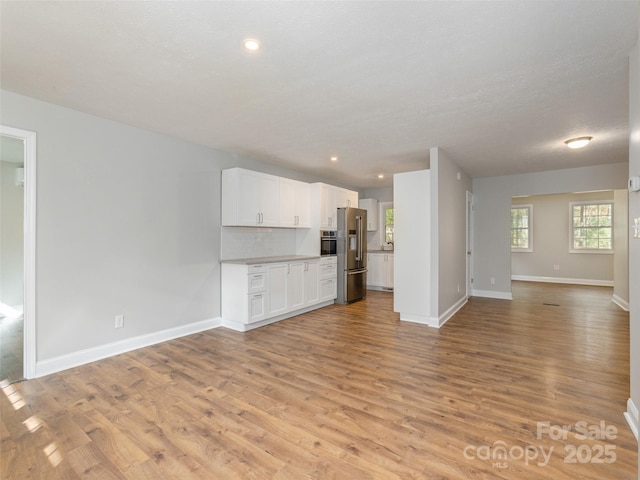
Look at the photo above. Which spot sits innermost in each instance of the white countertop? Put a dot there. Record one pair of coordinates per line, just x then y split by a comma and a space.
282, 258
379, 251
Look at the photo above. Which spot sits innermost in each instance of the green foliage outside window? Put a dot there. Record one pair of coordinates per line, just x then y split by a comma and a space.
592, 226
521, 227
388, 225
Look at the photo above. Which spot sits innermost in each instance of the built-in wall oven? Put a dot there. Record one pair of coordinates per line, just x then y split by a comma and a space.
328, 243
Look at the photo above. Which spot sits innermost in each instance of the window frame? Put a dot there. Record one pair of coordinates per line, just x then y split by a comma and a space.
382, 223
528, 249
597, 251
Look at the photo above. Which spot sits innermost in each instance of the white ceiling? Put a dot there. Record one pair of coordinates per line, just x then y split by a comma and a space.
497, 85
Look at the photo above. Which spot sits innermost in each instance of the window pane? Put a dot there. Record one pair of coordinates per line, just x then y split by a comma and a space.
520, 227
592, 226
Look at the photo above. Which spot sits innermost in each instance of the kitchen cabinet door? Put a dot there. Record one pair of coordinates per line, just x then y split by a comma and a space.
389, 268
295, 285
328, 289
376, 269
295, 204
257, 307
303, 205
380, 266
277, 290
328, 213
250, 198
312, 282
287, 203
371, 206
346, 198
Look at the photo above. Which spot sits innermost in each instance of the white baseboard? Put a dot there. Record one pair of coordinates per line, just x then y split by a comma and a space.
380, 289
452, 311
572, 281
632, 417
492, 294
75, 359
623, 304
422, 319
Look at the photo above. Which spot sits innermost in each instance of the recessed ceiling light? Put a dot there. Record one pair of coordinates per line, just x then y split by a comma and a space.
578, 142
334, 158
381, 175
251, 44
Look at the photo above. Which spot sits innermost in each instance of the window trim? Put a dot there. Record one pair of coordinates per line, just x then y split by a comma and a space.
591, 251
529, 249
382, 226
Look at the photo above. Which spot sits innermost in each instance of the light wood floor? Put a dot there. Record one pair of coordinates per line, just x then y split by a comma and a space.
345, 392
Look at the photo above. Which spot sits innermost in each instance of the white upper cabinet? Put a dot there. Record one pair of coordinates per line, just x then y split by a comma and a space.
303, 205
250, 198
328, 213
331, 198
255, 199
371, 206
346, 198
295, 204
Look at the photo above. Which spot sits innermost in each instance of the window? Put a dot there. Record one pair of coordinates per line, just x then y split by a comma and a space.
521, 228
592, 227
388, 225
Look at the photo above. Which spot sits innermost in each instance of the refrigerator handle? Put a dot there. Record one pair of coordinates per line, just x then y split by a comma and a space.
359, 237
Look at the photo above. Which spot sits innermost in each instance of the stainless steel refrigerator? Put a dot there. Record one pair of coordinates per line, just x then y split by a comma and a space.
352, 254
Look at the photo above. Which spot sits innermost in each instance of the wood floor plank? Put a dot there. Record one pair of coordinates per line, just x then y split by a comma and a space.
343, 392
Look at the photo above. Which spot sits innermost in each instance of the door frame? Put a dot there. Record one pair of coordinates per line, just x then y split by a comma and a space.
29, 242
469, 244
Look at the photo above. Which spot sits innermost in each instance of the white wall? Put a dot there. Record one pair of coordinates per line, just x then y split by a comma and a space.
128, 222
430, 248
552, 238
492, 252
11, 241
634, 243
621, 248
451, 268
412, 296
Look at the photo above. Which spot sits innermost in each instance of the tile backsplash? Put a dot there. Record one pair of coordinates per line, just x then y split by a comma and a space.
250, 242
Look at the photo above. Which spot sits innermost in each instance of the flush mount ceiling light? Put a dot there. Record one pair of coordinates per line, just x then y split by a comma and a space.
334, 158
251, 44
578, 142
381, 175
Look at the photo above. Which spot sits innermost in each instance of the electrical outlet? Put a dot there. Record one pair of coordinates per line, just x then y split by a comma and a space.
556, 267
119, 321
493, 280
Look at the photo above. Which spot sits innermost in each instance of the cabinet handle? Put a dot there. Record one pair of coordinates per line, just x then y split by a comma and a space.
257, 295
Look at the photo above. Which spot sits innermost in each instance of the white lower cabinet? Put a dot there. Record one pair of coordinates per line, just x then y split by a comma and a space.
258, 293
328, 278
380, 270
295, 285
311, 282
277, 293
257, 307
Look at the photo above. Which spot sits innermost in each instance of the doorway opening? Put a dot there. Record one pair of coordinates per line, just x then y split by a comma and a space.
577, 238
17, 254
